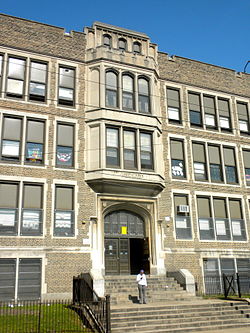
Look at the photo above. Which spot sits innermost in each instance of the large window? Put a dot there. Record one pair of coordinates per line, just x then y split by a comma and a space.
20, 279
246, 158
123, 151
24, 220
65, 145
177, 159
243, 117
111, 89
66, 90
64, 223
173, 101
220, 219
182, 218
143, 95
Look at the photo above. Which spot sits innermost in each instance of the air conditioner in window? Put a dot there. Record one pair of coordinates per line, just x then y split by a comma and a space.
183, 209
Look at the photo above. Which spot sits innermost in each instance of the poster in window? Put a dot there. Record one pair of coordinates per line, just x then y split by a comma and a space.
31, 220
10, 148
204, 224
64, 156
34, 152
63, 220
177, 169
181, 223
220, 228
7, 217
236, 228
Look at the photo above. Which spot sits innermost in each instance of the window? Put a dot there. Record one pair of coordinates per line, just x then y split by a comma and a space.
20, 279
127, 92
107, 40
215, 166
224, 222
174, 110
66, 91
243, 117
64, 212
129, 149
11, 138
112, 149
15, 77
111, 89
32, 210
230, 165
35, 141
1, 70
210, 114
123, 142
195, 109
177, 159
37, 88
65, 145
146, 151
122, 44
143, 95
9, 208
224, 114
137, 47
199, 157
246, 157
182, 219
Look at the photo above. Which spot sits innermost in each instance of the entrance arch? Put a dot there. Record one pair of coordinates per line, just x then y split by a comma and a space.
126, 244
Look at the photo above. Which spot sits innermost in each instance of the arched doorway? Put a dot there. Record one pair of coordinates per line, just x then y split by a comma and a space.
126, 244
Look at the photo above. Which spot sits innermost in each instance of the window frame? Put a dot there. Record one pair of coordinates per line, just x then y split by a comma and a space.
178, 109
72, 125
62, 102
10, 77
109, 89
143, 95
37, 82
183, 161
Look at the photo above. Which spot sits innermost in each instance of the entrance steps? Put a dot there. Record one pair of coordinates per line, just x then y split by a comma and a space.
179, 317
124, 290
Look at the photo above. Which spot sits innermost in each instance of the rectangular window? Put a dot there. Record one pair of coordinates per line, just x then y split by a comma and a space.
146, 151
177, 159
246, 158
35, 141
174, 110
37, 84
15, 77
221, 220
195, 109
65, 145
66, 91
237, 222
230, 165
1, 71
199, 158
224, 114
112, 147
182, 219
32, 210
7, 279
215, 164
243, 117
29, 279
206, 224
64, 212
210, 114
212, 278
129, 150
9, 208
11, 138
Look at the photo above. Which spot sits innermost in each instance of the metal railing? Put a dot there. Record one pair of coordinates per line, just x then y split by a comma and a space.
40, 317
94, 310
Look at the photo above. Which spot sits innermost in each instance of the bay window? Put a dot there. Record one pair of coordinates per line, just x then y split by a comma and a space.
127, 92
143, 95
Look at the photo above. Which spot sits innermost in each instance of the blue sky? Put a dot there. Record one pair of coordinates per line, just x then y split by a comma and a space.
213, 31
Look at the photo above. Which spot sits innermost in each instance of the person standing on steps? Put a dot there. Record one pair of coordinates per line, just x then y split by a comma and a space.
142, 285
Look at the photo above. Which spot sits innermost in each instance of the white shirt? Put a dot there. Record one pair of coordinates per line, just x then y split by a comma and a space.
141, 279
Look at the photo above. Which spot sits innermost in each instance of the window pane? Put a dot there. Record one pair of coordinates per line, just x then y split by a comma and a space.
231, 176
143, 86
66, 77
14, 87
195, 118
200, 171
66, 94
7, 279
10, 149
35, 131
145, 141
215, 173
16, 68
128, 83
127, 101
210, 120
143, 104
177, 149
64, 223
129, 159
111, 98
194, 102
64, 198
224, 122
173, 113
112, 157
12, 128
38, 72
214, 154
37, 89
1, 64
112, 137
64, 156
223, 106
243, 124
229, 157
129, 139
29, 279
34, 152
31, 222
111, 80
146, 160
178, 169
173, 98
8, 195
209, 105
32, 196
65, 135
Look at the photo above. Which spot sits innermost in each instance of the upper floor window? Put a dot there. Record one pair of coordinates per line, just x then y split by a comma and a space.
35, 141
127, 92
65, 145
66, 90
123, 151
199, 156
195, 109
246, 158
137, 47
11, 138
27, 222
15, 77
37, 88
111, 89
224, 114
173, 101
64, 223
183, 228
107, 40
1, 70
177, 159
143, 95
210, 111
122, 44
243, 117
